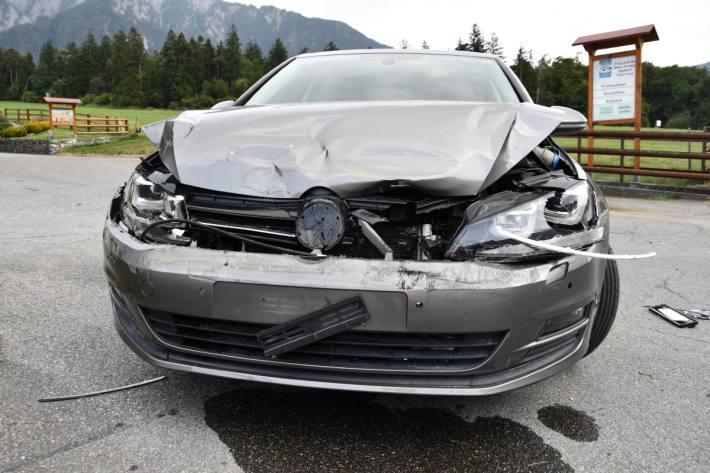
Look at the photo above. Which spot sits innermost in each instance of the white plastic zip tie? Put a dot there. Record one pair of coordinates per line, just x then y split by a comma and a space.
569, 251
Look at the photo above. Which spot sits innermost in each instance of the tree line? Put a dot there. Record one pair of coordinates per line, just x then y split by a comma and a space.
184, 73
678, 96
195, 73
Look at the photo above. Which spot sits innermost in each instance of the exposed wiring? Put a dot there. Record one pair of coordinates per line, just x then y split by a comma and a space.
223, 233
569, 251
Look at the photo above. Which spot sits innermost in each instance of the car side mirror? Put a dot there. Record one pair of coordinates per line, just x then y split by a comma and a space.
221, 105
572, 121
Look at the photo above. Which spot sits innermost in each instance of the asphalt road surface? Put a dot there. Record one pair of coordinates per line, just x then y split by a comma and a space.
641, 403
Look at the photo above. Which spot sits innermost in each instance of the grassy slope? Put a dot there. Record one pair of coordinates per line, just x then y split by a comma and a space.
132, 145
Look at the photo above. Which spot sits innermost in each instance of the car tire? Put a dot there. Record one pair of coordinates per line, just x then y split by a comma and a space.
608, 303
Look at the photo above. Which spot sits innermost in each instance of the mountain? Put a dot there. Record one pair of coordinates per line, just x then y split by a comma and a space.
705, 66
20, 12
27, 24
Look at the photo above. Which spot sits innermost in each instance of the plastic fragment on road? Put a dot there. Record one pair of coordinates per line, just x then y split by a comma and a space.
104, 391
673, 316
703, 314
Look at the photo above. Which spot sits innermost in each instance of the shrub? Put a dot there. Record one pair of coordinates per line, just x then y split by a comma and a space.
215, 88
679, 121
14, 131
32, 97
103, 99
200, 101
89, 98
36, 126
4, 123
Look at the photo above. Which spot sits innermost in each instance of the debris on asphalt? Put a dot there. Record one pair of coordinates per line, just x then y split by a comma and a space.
696, 314
673, 316
105, 391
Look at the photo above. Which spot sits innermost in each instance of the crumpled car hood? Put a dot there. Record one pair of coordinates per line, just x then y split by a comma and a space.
443, 148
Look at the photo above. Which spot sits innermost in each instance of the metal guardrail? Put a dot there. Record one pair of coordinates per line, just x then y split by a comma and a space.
638, 138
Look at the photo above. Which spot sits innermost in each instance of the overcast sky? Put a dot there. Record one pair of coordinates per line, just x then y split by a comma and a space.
546, 27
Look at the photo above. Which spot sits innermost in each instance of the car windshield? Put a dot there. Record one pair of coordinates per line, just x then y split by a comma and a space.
387, 76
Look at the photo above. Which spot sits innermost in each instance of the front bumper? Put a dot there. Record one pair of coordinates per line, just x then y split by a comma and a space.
429, 299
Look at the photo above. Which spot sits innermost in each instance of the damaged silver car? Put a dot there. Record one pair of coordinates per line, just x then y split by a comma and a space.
389, 221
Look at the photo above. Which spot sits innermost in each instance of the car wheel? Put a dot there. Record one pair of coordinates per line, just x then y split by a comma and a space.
608, 303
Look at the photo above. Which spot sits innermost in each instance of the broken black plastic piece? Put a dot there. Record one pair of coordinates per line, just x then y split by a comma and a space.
312, 327
673, 316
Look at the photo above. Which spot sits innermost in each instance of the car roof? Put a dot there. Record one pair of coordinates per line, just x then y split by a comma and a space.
431, 52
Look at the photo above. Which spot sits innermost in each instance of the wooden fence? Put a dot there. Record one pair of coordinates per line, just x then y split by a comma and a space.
26, 114
635, 167
86, 123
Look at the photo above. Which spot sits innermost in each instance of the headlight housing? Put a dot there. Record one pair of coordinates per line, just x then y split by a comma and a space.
145, 202
567, 218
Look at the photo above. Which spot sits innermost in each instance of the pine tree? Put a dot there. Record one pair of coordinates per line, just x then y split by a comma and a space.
231, 58
253, 63
102, 83
47, 69
330, 46
253, 51
88, 62
493, 46
71, 73
207, 60
461, 46
277, 55
425, 45
524, 69
476, 41
175, 76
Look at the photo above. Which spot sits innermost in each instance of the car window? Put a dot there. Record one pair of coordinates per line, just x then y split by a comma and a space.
387, 76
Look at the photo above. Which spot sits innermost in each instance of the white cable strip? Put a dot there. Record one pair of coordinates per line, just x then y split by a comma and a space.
568, 251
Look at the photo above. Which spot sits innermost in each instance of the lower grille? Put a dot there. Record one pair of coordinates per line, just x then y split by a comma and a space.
408, 353
554, 347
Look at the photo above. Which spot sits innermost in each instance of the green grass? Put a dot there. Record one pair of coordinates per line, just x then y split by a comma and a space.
657, 145
136, 116
140, 145
132, 145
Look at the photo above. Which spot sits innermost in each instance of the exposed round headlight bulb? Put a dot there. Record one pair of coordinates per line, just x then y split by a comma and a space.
321, 224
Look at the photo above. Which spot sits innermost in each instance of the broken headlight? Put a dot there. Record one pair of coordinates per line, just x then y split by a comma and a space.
566, 219
144, 202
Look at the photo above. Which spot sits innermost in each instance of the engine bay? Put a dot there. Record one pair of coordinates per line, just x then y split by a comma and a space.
394, 220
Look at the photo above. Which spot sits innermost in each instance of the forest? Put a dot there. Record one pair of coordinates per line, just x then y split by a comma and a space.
195, 73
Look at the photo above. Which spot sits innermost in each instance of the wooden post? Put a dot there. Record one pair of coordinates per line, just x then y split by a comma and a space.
622, 161
73, 115
51, 121
638, 107
637, 37
590, 104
